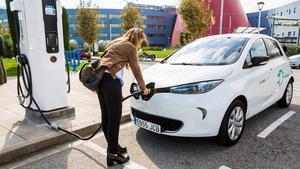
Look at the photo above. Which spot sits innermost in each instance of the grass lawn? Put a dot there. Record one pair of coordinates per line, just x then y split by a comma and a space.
161, 54
10, 66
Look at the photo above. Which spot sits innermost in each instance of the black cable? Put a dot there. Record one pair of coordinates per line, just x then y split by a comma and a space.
24, 70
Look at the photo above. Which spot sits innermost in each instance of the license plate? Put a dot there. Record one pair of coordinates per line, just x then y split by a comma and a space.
147, 125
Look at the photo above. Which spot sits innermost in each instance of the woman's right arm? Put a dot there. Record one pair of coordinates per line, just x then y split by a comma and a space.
136, 70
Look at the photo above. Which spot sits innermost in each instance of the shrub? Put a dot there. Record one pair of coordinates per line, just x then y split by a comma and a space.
102, 45
293, 50
9, 53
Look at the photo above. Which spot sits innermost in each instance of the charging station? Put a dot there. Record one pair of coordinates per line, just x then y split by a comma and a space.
40, 39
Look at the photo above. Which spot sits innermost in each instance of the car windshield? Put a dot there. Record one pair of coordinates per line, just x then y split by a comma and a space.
209, 51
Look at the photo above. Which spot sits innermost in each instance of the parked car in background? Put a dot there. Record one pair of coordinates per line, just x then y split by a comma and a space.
84, 54
295, 61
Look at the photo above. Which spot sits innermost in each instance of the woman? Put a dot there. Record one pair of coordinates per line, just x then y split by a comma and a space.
120, 53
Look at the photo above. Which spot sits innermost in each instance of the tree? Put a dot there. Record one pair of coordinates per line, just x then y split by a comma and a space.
12, 26
197, 16
131, 17
65, 28
7, 41
87, 22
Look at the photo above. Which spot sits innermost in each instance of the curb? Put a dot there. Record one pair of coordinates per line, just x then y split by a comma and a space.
50, 141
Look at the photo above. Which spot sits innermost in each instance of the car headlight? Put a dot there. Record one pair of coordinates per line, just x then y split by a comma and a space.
196, 88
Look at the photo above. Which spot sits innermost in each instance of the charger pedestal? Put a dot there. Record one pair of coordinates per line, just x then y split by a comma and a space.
64, 113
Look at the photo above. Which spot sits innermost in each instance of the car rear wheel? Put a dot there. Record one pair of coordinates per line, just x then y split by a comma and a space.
287, 97
232, 124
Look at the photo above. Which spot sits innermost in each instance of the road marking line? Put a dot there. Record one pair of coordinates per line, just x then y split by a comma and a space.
275, 124
224, 167
95, 147
57, 149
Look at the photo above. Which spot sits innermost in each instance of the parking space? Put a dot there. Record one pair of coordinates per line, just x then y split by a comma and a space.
280, 149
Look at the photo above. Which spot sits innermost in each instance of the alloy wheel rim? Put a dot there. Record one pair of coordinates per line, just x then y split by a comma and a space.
236, 123
289, 93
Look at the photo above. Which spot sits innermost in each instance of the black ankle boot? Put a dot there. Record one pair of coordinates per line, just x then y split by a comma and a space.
119, 159
122, 150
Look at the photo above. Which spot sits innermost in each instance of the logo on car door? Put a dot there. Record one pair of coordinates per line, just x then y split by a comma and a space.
281, 75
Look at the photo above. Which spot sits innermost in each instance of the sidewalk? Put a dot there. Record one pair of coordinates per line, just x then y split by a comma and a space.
19, 137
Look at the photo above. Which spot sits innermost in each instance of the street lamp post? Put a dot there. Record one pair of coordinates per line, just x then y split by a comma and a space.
110, 20
221, 16
260, 6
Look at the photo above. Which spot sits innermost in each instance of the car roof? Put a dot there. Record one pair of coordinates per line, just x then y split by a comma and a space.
243, 35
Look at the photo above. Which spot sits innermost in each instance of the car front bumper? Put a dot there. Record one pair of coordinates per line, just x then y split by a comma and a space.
183, 115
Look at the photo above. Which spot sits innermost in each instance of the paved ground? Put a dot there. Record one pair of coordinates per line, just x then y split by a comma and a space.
279, 150
19, 136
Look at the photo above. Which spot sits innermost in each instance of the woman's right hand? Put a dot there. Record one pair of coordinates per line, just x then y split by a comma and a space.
146, 92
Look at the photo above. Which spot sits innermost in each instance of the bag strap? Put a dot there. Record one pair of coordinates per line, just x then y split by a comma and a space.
81, 70
94, 70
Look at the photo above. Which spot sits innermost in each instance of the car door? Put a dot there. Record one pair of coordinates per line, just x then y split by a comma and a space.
258, 79
281, 71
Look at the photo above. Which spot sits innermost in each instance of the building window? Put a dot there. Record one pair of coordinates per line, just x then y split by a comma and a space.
281, 13
156, 17
72, 25
156, 35
156, 26
144, 17
115, 25
103, 34
282, 34
115, 34
289, 34
114, 16
102, 25
295, 10
103, 16
294, 33
290, 11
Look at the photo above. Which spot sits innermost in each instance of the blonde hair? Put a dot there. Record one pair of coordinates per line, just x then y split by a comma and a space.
134, 35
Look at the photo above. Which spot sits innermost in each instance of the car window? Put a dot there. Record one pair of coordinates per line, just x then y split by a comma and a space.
273, 48
248, 61
258, 49
210, 51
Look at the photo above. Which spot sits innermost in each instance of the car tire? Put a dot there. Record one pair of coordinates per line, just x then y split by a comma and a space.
287, 97
233, 124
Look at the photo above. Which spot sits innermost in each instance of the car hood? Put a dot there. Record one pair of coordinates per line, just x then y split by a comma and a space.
165, 75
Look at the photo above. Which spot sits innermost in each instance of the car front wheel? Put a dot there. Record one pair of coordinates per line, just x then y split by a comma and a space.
287, 97
232, 124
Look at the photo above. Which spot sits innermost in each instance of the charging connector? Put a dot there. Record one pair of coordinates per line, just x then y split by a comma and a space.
54, 126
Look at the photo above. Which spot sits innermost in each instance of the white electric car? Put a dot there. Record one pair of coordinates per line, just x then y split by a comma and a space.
211, 86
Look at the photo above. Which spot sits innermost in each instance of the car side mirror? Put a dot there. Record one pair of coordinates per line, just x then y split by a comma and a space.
260, 60
285, 48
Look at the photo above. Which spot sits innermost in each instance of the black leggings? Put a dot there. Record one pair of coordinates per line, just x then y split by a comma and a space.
110, 98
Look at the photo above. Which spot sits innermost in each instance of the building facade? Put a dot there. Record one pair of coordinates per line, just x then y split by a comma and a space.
281, 30
3, 17
233, 17
158, 24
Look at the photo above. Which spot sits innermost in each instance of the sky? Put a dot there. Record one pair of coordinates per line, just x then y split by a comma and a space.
248, 5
